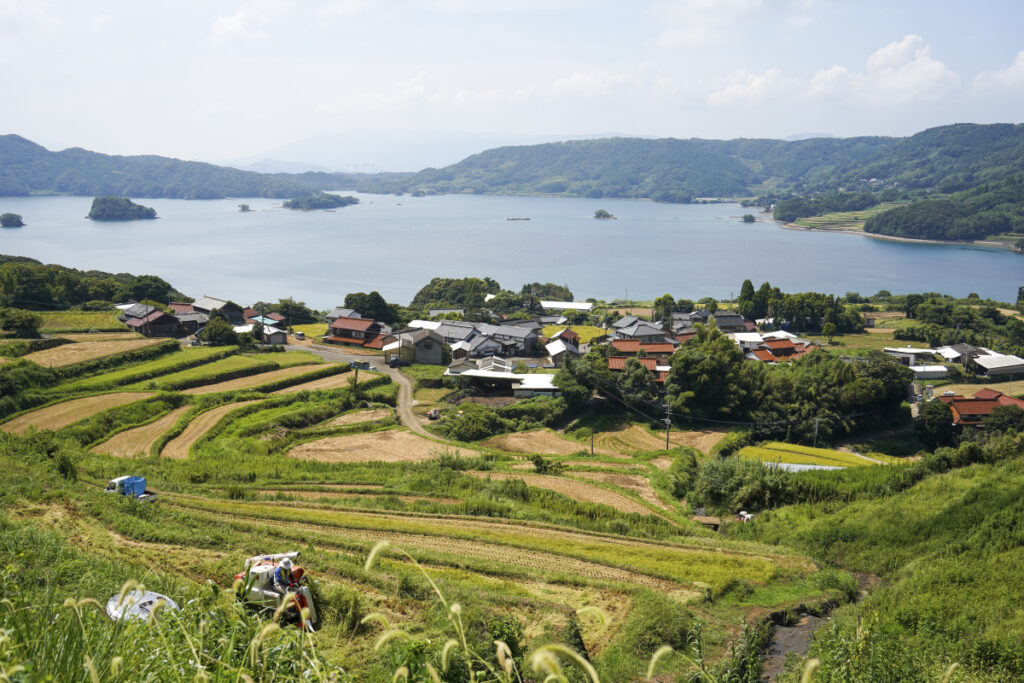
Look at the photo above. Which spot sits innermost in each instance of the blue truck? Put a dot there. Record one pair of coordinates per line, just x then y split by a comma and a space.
131, 487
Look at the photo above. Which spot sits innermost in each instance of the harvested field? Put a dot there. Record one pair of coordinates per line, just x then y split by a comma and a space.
385, 446
662, 463
360, 416
69, 354
577, 490
178, 447
252, 380
633, 482
583, 463
99, 336
326, 383
1008, 388
639, 438
69, 412
137, 441
543, 441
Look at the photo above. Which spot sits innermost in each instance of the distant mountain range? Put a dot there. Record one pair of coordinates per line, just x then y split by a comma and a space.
945, 159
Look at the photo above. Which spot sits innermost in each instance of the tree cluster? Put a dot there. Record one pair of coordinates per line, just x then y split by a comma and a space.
320, 200
11, 220
373, 306
113, 208
801, 312
27, 283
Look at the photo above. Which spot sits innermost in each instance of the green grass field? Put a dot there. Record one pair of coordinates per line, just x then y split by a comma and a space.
80, 321
164, 365
208, 373
312, 331
860, 344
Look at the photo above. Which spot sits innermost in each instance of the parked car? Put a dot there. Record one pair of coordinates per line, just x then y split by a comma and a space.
397, 362
359, 365
300, 335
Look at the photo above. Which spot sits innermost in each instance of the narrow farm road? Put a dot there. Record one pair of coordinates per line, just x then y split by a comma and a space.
404, 383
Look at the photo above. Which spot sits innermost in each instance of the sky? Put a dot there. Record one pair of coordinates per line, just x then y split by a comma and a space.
218, 80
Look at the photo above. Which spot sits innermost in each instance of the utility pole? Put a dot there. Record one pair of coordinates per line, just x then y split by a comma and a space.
668, 423
816, 421
591, 443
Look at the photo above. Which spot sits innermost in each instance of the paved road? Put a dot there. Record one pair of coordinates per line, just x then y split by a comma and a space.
405, 400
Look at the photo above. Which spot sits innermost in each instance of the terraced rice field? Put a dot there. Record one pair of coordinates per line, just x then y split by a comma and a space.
99, 336
137, 441
803, 455
327, 383
179, 446
360, 416
252, 380
636, 438
343, 495
69, 354
391, 445
542, 441
633, 482
69, 412
577, 490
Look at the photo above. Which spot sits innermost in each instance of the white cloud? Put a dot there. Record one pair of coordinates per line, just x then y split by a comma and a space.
747, 88
590, 84
690, 23
900, 72
247, 22
1010, 78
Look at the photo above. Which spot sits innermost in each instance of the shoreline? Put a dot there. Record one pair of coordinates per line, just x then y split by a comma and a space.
892, 238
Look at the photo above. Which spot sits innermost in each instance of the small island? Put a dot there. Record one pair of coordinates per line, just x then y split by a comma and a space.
749, 218
603, 215
244, 208
112, 208
11, 220
320, 200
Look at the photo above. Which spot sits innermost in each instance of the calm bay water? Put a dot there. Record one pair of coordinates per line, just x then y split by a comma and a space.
397, 244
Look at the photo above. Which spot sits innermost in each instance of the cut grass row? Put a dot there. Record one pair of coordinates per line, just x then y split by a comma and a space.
178, 361
80, 352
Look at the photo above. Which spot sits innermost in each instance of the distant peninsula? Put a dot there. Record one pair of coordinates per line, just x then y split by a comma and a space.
320, 200
111, 208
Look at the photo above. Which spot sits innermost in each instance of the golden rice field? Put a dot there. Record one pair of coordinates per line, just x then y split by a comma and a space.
636, 438
339, 381
360, 416
635, 483
69, 354
577, 490
137, 441
390, 445
69, 412
178, 447
542, 441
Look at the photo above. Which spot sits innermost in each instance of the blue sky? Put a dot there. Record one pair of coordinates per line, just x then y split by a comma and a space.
218, 80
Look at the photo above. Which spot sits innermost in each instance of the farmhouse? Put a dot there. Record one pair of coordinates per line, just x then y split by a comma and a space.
641, 331
416, 346
229, 309
654, 366
149, 320
560, 350
339, 312
633, 347
356, 332
192, 321
971, 411
253, 316
910, 356
478, 346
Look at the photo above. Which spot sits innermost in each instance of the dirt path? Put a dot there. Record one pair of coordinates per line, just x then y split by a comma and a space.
178, 447
62, 414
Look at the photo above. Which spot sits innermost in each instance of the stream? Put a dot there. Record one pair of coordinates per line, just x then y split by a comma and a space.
795, 639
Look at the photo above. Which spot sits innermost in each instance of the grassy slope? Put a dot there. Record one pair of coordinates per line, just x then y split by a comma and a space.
951, 551
80, 321
495, 568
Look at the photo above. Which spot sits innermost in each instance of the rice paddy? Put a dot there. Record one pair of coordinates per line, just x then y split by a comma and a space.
178, 447
804, 455
69, 354
137, 441
391, 446
251, 381
62, 414
577, 490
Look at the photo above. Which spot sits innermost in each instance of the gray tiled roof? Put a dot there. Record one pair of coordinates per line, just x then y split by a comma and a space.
139, 311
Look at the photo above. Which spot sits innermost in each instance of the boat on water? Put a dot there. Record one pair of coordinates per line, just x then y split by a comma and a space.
517, 219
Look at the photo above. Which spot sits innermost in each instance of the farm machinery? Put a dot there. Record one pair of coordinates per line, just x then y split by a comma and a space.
131, 487
275, 582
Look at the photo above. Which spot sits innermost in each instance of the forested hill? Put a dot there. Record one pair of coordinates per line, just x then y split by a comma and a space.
664, 170
28, 168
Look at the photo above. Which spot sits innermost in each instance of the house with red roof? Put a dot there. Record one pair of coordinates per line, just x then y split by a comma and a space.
971, 411
356, 332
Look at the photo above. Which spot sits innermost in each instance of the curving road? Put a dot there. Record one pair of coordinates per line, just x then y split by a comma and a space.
405, 386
